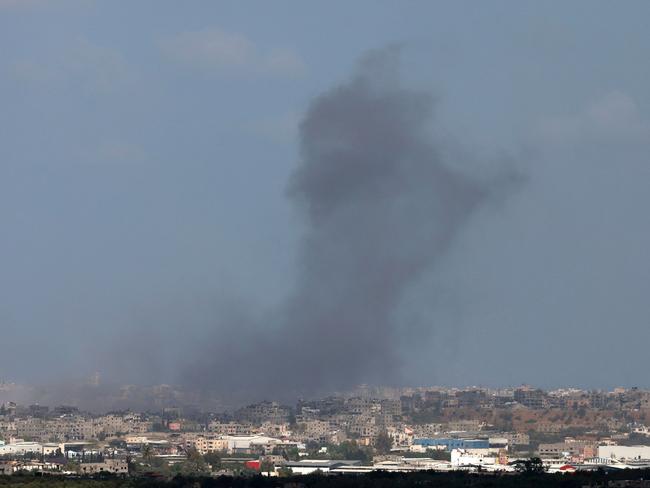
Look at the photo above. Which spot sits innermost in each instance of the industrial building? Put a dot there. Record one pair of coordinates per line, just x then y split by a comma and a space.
448, 444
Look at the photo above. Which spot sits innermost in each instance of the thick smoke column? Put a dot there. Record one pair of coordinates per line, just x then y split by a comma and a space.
381, 208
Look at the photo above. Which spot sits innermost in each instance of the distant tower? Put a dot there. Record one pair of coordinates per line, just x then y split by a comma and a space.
95, 379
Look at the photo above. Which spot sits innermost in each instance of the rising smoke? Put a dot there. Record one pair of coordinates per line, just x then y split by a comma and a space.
381, 207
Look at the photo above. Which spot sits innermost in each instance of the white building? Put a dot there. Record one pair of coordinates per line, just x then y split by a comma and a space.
463, 457
21, 448
247, 442
624, 452
307, 466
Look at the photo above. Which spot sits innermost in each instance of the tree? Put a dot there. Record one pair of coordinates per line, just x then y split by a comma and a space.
348, 450
533, 465
293, 454
147, 452
117, 443
133, 466
193, 465
267, 467
213, 459
71, 466
290, 454
439, 454
159, 465
285, 472
384, 443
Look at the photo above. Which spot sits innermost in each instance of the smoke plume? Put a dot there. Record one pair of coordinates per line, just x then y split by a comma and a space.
381, 207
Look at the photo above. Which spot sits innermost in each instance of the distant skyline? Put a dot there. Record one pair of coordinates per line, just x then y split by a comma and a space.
147, 149
98, 396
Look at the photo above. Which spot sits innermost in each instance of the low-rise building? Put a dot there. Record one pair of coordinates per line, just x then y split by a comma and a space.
114, 466
21, 448
624, 452
308, 466
206, 443
448, 444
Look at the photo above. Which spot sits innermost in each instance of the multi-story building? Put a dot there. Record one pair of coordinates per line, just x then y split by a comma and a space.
274, 430
204, 444
530, 397
316, 429
569, 448
230, 428
517, 438
427, 430
362, 406
264, 412
391, 408
363, 426
464, 426
114, 466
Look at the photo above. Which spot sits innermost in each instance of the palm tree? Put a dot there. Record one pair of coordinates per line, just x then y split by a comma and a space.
147, 452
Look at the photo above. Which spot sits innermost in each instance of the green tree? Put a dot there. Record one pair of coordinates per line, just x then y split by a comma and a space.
348, 450
384, 443
193, 465
267, 467
147, 452
285, 472
530, 466
213, 459
117, 443
159, 465
439, 454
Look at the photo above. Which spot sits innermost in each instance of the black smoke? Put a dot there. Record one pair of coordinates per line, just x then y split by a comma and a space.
381, 206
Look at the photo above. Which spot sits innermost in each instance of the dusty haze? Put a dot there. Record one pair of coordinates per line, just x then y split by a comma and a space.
197, 196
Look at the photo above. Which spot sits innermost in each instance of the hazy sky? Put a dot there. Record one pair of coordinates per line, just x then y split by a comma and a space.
146, 149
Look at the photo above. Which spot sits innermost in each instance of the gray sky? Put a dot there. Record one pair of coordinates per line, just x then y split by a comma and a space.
146, 149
